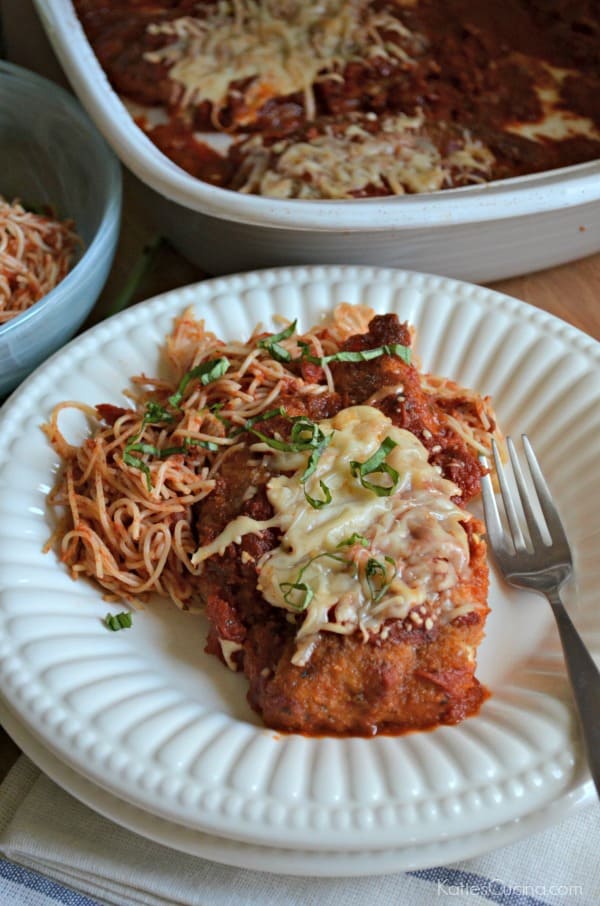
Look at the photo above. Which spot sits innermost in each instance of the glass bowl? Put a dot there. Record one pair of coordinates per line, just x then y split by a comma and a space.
52, 154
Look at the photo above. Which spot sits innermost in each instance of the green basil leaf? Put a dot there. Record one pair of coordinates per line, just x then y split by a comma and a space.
187, 443
305, 433
315, 502
363, 355
376, 575
151, 450
261, 417
354, 538
306, 590
142, 448
271, 343
207, 444
310, 469
114, 622
298, 441
275, 443
207, 372
136, 463
314, 457
156, 414
375, 464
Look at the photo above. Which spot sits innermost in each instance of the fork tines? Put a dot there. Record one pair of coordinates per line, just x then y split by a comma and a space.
531, 516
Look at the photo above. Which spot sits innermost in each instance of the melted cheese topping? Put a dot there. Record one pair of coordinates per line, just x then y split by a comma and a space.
228, 649
363, 558
232, 534
556, 122
411, 545
396, 158
280, 46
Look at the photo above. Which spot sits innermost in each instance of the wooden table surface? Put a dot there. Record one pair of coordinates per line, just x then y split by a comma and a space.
571, 292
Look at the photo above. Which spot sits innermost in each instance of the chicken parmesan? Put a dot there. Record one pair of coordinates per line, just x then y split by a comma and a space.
306, 491
356, 98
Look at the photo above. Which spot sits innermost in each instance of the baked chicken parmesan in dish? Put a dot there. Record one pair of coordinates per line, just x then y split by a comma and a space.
320, 99
307, 491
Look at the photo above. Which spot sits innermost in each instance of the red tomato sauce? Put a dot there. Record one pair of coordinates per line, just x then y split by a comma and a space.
479, 72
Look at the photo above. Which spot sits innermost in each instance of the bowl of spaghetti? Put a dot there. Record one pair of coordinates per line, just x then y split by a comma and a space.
60, 204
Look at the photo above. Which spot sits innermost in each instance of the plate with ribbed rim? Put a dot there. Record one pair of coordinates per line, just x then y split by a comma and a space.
150, 718
325, 863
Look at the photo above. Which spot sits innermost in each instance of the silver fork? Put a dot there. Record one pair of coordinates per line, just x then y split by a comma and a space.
531, 561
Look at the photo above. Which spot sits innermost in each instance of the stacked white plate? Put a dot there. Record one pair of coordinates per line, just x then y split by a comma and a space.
146, 728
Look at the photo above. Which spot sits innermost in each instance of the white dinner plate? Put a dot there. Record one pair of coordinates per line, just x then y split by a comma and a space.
150, 718
276, 860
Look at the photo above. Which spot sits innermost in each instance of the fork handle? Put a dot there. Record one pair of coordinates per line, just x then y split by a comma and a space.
585, 683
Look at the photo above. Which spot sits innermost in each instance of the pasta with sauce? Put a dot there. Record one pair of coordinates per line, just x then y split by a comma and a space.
36, 252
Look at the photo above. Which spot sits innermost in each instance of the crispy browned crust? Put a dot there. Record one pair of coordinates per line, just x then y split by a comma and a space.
411, 680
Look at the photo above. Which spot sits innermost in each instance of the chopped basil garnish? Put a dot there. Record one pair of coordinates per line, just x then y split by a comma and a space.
305, 435
376, 575
184, 447
142, 448
152, 450
276, 443
261, 417
156, 414
207, 372
363, 355
307, 593
271, 343
137, 463
354, 538
315, 502
375, 464
313, 459
118, 621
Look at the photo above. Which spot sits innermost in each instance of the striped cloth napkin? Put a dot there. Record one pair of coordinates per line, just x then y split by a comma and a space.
57, 850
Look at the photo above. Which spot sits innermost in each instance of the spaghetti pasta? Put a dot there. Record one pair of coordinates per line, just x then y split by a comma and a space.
36, 253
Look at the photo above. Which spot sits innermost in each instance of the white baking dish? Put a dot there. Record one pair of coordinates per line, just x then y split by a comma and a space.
479, 233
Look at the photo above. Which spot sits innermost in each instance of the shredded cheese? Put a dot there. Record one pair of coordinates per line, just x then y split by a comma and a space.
279, 47
399, 158
414, 534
